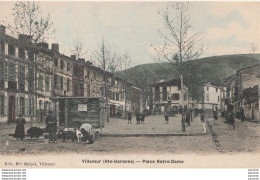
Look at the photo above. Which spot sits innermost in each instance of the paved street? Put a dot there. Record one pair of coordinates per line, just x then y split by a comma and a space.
219, 138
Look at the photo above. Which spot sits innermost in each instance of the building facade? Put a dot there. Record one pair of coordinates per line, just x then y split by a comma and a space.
167, 95
30, 74
243, 93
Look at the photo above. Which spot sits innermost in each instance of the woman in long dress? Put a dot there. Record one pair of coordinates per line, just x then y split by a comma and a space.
19, 130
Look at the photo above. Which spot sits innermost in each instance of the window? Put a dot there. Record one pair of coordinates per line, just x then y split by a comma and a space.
68, 66
22, 105
164, 93
47, 83
87, 74
11, 49
2, 105
94, 74
117, 96
56, 62
68, 84
2, 67
55, 81
88, 90
2, 48
21, 53
207, 88
11, 72
61, 65
216, 89
21, 77
2, 84
218, 98
207, 97
61, 83
176, 97
40, 82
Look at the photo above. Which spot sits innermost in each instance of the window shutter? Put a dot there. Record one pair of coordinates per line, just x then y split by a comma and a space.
26, 102
5, 104
18, 106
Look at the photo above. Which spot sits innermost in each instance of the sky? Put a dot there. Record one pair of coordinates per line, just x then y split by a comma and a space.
132, 27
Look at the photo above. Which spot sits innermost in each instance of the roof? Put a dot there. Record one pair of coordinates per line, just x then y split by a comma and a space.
163, 82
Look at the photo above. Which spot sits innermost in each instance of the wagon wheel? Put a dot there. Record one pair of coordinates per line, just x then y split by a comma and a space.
76, 124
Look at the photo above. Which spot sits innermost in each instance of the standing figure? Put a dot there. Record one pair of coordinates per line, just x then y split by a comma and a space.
51, 127
138, 117
166, 116
142, 117
242, 114
19, 130
188, 118
129, 117
215, 115
231, 119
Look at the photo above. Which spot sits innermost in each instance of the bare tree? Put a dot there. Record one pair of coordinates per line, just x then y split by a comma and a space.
126, 62
107, 60
28, 20
78, 48
180, 43
253, 48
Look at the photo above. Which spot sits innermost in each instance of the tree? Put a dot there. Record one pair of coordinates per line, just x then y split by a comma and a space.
79, 49
253, 48
107, 60
29, 21
126, 62
181, 45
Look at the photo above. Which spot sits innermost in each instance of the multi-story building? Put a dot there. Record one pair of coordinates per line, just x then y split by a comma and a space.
14, 78
212, 97
167, 94
30, 74
242, 92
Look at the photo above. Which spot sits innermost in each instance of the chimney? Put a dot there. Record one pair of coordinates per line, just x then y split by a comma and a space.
24, 37
73, 57
55, 47
81, 60
2, 29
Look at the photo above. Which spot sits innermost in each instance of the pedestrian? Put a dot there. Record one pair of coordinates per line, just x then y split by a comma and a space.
51, 127
242, 114
231, 119
19, 129
137, 115
129, 117
215, 115
142, 117
183, 123
191, 116
166, 116
188, 118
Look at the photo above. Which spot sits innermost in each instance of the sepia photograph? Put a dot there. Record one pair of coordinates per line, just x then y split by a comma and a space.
129, 84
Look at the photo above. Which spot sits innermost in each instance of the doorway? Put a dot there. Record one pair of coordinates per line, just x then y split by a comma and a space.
11, 109
62, 112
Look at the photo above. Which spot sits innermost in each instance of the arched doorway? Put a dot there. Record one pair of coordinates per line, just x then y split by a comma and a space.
11, 109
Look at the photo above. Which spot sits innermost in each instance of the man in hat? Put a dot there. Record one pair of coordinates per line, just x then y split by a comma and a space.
51, 127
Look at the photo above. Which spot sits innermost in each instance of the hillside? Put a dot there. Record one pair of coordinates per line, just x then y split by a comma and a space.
214, 69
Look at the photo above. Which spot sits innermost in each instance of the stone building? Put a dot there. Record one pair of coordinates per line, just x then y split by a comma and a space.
243, 93
167, 95
30, 74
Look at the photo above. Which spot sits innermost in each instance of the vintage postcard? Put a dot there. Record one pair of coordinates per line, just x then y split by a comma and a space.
129, 84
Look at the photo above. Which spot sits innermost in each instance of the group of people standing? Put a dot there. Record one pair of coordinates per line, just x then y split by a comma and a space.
140, 117
51, 127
